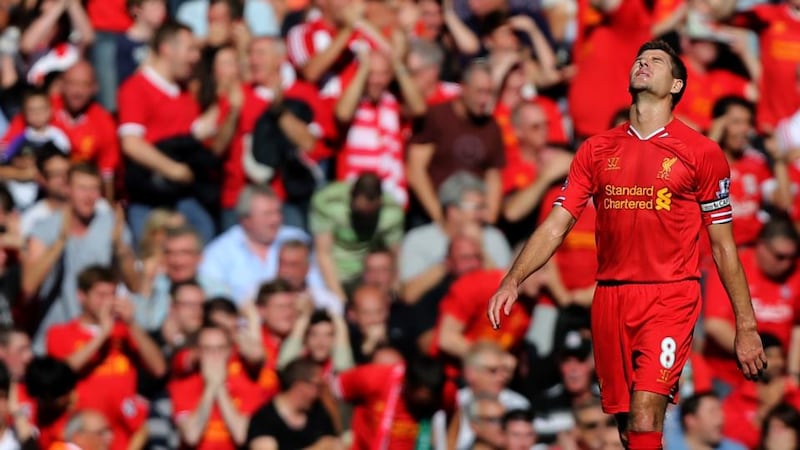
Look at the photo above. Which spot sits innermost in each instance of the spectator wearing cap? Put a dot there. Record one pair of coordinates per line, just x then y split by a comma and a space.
553, 406
486, 374
701, 420
157, 114
248, 253
459, 135
746, 407
347, 219
424, 249
700, 47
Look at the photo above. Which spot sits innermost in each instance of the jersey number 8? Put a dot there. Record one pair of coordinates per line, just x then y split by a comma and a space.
667, 357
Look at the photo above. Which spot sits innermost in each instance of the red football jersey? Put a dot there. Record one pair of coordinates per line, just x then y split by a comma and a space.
750, 184
740, 410
776, 305
653, 195
109, 15
108, 383
371, 387
186, 394
155, 108
779, 37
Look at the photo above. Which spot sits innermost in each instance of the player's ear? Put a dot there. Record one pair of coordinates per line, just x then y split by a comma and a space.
677, 85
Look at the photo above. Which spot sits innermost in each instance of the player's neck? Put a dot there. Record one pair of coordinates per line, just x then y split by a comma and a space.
649, 115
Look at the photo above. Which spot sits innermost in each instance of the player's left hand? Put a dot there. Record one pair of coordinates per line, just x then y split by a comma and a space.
750, 354
504, 298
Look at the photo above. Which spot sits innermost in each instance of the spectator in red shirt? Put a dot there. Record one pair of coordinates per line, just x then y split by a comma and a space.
774, 285
277, 307
372, 116
154, 108
295, 418
51, 383
395, 402
754, 183
102, 346
700, 53
750, 403
212, 408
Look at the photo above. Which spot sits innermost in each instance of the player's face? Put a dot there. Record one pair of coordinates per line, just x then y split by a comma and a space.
520, 435
84, 192
708, 421
777, 257
319, 341
652, 73
181, 257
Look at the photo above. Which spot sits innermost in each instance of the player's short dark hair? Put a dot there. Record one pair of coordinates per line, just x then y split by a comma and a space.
690, 405
724, 104
517, 415
367, 185
83, 168
270, 288
94, 275
678, 67
300, 370
45, 153
167, 32
217, 304
48, 378
175, 287
779, 226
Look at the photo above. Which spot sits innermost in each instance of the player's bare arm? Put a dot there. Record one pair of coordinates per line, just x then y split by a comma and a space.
537, 251
747, 344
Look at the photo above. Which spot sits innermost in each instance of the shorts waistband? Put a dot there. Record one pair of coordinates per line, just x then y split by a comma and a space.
612, 283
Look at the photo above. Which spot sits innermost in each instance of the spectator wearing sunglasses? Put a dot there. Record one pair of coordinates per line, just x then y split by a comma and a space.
774, 285
592, 424
486, 422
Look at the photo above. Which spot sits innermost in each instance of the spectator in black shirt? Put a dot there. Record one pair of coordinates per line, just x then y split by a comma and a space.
295, 418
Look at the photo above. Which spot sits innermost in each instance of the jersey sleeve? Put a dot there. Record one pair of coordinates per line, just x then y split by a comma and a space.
133, 111
579, 185
713, 187
299, 47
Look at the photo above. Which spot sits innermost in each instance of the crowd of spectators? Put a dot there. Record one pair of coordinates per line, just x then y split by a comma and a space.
277, 223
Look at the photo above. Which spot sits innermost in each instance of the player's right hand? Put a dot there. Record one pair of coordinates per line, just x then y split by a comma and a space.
503, 299
750, 354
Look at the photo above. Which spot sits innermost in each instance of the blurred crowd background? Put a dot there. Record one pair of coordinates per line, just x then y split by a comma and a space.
277, 223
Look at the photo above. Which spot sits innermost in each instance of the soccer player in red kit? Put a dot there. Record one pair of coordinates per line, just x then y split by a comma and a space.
655, 184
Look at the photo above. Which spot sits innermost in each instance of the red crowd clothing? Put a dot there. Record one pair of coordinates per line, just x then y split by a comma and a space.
604, 52
740, 410
704, 90
312, 37
751, 180
576, 258
776, 305
444, 92
268, 377
371, 388
92, 135
642, 335
647, 191
779, 37
794, 179
155, 108
186, 394
108, 382
109, 15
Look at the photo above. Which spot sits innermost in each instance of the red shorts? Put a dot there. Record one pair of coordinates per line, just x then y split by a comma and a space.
642, 336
